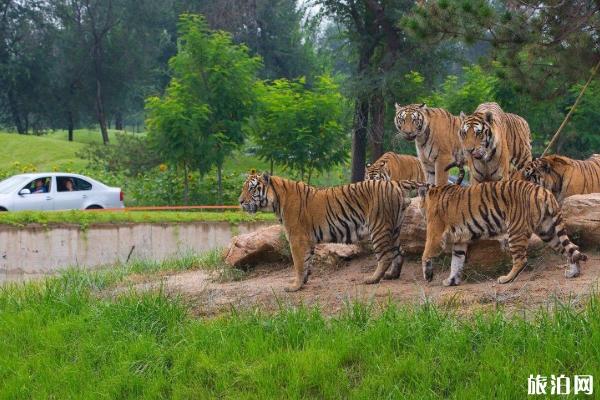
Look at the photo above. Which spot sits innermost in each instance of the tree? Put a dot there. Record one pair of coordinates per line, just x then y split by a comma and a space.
25, 47
198, 122
383, 53
300, 128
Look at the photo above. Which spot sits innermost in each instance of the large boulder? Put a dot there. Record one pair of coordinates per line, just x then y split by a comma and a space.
263, 245
582, 218
581, 214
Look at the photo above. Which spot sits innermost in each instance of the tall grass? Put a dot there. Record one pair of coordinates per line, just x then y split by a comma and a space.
61, 340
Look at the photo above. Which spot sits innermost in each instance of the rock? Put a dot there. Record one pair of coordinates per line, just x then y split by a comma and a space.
582, 218
581, 214
263, 245
332, 255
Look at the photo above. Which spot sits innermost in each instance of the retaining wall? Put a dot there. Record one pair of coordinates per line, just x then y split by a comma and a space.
36, 249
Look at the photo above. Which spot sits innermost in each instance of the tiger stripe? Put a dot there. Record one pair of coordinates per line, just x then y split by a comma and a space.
395, 167
435, 132
343, 214
564, 176
460, 215
492, 140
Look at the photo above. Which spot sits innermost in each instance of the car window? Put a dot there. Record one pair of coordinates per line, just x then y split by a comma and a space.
72, 184
44, 185
8, 185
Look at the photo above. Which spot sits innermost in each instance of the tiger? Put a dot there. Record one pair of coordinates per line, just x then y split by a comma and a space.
435, 132
395, 167
492, 140
564, 176
342, 214
459, 215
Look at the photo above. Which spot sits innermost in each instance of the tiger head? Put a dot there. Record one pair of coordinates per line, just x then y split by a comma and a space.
410, 120
539, 171
377, 172
477, 136
256, 194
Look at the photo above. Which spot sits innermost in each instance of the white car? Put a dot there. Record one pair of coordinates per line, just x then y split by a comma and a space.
57, 191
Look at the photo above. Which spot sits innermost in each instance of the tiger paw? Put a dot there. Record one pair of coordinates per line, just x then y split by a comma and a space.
572, 272
390, 275
504, 279
293, 288
372, 280
454, 281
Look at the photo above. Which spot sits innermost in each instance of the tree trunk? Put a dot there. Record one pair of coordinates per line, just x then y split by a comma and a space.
100, 112
70, 124
219, 183
376, 131
359, 140
186, 186
16, 114
119, 121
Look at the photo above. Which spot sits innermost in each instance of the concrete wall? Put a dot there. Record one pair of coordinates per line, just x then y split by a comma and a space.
39, 250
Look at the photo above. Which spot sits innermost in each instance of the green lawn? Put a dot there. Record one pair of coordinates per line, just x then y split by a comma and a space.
62, 338
43, 152
86, 218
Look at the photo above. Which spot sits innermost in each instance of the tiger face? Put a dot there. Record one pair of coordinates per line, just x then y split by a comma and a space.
255, 193
410, 120
377, 172
476, 135
538, 172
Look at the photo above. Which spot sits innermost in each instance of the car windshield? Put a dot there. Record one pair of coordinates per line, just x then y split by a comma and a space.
10, 184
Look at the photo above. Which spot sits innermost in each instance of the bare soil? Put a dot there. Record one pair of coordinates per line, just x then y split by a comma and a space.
541, 284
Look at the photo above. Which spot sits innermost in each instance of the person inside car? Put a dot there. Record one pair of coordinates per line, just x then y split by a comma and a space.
69, 186
39, 186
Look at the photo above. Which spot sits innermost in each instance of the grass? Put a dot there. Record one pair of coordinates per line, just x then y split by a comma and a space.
43, 152
86, 218
61, 340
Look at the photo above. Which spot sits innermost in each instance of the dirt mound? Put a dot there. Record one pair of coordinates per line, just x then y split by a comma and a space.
541, 284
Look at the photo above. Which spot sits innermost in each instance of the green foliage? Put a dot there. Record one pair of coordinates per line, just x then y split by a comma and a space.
131, 155
82, 343
198, 122
465, 93
303, 129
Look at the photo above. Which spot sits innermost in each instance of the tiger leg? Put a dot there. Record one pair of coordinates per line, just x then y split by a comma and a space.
301, 252
433, 248
386, 252
441, 175
552, 231
517, 245
394, 272
459, 253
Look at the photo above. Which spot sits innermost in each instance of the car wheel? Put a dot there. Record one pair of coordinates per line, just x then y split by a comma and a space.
94, 207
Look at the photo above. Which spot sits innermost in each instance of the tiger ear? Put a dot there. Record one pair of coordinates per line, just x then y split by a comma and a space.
489, 117
397, 106
462, 115
253, 171
423, 105
368, 165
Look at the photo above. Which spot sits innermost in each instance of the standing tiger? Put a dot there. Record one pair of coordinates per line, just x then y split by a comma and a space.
459, 215
492, 140
343, 214
395, 167
435, 132
563, 176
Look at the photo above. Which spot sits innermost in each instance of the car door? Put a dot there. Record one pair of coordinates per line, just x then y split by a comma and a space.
71, 193
40, 200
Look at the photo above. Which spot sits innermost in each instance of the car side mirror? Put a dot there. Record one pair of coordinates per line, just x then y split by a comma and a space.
24, 191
